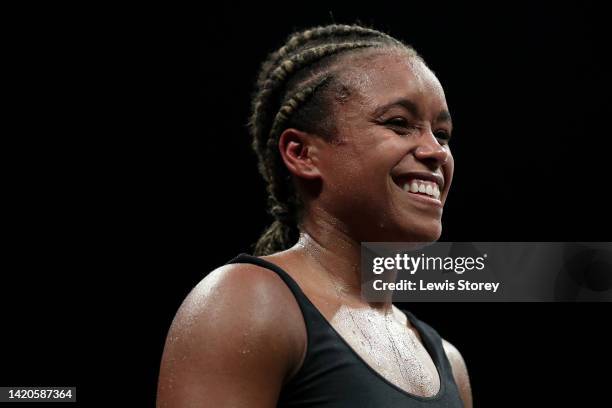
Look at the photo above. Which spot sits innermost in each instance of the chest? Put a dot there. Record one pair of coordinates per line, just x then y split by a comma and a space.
389, 346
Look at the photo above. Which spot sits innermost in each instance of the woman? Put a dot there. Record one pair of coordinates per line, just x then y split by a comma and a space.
351, 130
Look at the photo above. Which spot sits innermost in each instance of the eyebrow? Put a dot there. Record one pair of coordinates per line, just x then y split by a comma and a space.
444, 116
413, 108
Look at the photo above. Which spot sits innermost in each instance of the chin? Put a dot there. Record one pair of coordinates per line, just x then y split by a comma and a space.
422, 232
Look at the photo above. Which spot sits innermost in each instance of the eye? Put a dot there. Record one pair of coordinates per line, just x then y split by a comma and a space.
397, 121
443, 136
399, 125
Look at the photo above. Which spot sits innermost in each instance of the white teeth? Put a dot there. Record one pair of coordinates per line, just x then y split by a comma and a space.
424, 187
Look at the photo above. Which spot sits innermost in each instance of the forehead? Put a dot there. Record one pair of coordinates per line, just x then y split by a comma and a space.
380, 76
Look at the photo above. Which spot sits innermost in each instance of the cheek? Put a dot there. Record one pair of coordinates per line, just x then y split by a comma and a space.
361, 184
362, 166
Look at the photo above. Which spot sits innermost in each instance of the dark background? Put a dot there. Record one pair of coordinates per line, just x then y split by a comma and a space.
131, 177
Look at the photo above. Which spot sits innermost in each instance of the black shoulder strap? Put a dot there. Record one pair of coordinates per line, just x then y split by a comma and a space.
301, 298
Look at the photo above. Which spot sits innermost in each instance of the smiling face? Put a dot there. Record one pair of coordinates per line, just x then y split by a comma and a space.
387, 173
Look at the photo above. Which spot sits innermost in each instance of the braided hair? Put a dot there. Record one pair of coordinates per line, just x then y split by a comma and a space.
294, 89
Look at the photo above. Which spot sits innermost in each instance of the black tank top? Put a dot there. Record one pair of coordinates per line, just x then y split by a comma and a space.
334, 375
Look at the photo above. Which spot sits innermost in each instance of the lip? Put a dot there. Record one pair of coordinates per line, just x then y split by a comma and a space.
424, 199
421, 175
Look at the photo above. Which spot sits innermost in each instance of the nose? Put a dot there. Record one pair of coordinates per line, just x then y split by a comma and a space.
429, 150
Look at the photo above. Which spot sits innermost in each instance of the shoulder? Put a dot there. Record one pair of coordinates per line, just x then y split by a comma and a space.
234, 297
238, 285
242, 322
455, 358
460, 372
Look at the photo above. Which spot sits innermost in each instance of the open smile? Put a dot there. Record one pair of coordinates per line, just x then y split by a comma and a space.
422, 187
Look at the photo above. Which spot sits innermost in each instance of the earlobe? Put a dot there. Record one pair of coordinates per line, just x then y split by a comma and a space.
298, 153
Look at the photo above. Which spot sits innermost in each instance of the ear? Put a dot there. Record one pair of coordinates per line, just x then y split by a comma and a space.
299, 153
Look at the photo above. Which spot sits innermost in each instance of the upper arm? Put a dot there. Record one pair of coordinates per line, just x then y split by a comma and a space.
224, 347
459, 372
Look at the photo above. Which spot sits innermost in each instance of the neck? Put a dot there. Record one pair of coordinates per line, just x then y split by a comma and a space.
326, 245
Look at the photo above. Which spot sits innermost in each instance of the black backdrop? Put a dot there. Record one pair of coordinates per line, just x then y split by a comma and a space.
137, 179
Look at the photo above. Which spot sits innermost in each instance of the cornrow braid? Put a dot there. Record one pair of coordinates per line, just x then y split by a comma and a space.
285, 69
281, 195
280, 191
317, 33
285, 112
292, 91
